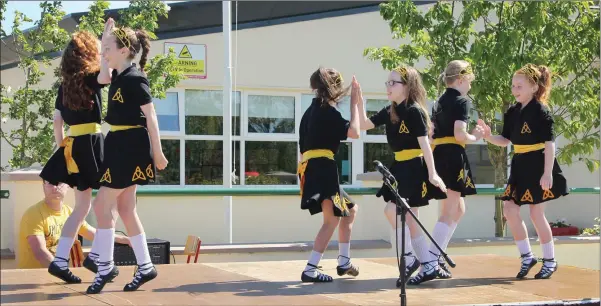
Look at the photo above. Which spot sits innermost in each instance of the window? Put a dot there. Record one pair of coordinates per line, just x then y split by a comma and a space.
204, 162
169, 175
344, 107
376, 151
167, 111
344, 160
265, 150
271, 163
483, 171
204, 112
373, 107
271, 114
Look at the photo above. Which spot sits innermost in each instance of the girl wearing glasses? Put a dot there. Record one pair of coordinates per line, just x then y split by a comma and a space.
407, 125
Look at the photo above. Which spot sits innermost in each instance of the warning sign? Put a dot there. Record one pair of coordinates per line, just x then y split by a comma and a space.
185, 53
191, 59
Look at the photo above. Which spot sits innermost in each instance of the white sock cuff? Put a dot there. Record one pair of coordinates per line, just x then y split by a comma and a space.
344, 249
548, 250
524, 246
315, 257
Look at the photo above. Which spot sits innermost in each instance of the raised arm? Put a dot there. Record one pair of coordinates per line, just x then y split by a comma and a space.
356, 93
104, 77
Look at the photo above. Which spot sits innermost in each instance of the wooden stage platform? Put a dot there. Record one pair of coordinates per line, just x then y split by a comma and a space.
479, 279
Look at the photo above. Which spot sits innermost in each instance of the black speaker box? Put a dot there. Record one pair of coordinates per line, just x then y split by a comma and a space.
157, 248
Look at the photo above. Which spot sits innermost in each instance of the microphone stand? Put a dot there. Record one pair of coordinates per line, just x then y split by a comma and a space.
387, 178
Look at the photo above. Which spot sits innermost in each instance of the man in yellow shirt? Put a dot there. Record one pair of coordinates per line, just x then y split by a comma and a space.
41, 226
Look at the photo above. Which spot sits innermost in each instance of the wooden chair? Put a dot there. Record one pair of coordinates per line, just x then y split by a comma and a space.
76, 254
192, 247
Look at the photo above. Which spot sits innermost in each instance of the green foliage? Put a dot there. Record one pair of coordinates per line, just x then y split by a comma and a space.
33, 107
141, 14
498, 38
94, 21
562, 35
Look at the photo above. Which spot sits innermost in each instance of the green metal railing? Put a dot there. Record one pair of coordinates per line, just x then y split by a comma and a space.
283, 191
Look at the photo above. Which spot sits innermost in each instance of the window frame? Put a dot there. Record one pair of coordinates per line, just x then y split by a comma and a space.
357, 145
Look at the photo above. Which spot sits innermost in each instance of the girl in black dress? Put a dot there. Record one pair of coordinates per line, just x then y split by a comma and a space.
321, 130
450, 119
78, 160
535, 176
407, 126
132, 151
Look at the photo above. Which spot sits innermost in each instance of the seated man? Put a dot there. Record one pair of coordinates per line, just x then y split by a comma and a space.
41, 227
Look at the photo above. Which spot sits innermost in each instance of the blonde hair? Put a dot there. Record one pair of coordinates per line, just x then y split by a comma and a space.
539, 75
417, 93
456, 70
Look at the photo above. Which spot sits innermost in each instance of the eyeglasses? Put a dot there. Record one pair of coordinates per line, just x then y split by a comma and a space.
392, 82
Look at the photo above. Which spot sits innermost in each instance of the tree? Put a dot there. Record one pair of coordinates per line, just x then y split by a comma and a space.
33, 141
562, 35
31, 106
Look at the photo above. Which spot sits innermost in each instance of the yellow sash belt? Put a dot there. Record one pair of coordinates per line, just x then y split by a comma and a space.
407, 154
116, 128
528, 148
447, 140
74, 131
302, 166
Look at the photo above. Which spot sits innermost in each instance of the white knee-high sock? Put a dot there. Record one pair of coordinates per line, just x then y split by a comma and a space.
106, 249
548, 252
314, 259
408, 245
420, 245
62, 250
524, 246
440, 235
449, 236
344, 252
94, 250
140, 247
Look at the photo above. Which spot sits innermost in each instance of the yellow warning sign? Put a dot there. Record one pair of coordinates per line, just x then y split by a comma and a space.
185, 53
190, 59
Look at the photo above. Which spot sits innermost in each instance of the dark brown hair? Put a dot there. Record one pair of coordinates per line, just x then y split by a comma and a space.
541, 76
80, 59
327, 83
134, 41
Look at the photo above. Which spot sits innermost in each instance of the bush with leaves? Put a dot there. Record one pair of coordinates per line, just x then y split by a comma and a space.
32, 107
498, 38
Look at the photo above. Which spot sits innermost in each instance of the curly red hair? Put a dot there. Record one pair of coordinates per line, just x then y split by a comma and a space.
80, 59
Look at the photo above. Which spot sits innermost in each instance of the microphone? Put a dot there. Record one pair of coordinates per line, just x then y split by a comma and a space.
384, 171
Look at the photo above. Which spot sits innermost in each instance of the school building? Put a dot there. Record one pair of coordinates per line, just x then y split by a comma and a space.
275, 48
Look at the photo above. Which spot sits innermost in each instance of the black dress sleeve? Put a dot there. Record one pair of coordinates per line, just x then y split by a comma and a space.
340, 125
140, 91
380, 117
416, 121
547, 132
507, 124
462, 110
